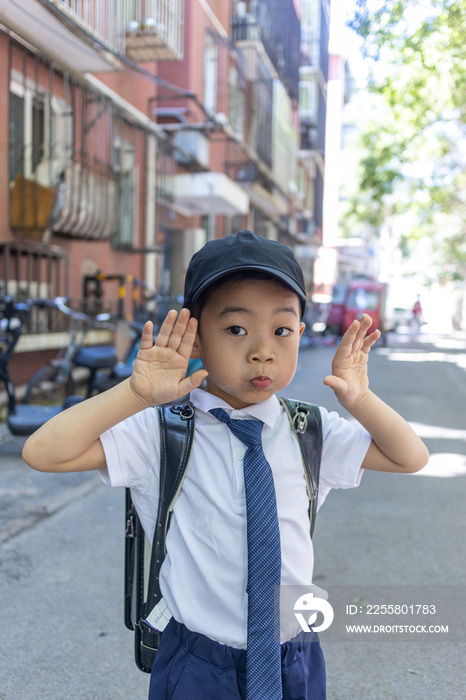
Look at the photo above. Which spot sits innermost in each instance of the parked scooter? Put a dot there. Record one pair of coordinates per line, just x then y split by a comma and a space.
22, 419
57, 380
101, 361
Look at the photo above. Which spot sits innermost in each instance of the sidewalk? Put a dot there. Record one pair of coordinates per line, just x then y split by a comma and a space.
61, 606
27, 496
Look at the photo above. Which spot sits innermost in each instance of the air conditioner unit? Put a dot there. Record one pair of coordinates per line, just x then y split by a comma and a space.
194, 146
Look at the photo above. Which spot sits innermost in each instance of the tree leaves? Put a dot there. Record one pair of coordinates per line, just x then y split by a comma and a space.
414, 142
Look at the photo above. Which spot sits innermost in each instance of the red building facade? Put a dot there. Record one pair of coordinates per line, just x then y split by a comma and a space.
132, 132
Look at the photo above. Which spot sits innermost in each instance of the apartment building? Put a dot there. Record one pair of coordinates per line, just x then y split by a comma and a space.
135, 130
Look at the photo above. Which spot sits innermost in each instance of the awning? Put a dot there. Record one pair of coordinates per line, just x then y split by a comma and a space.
57, 32
209, 193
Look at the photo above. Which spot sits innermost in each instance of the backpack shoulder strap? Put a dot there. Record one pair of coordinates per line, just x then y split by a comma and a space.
176, 436
306, 423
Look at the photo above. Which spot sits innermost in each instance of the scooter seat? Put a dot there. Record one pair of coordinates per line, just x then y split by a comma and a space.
97, 357
28, 418
122, 371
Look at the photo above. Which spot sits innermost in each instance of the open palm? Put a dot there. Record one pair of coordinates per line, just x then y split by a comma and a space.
159, 373
349, 378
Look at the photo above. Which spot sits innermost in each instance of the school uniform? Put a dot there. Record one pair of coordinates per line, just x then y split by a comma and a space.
204, 575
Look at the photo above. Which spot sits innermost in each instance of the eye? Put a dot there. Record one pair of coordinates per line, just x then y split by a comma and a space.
237, 330
282, 332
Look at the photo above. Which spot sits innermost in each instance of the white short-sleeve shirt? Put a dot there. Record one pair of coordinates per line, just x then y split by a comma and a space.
204, 576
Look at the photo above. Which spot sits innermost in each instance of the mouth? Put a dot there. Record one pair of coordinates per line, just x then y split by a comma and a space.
261, 382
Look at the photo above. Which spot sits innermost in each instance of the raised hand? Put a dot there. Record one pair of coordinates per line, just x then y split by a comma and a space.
159, 373
349, 378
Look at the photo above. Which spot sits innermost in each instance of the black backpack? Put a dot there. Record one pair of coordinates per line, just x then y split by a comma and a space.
143, 562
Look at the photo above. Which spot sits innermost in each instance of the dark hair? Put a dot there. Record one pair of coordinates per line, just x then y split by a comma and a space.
198, 304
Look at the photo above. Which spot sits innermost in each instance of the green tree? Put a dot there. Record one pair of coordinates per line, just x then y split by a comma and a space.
414, 140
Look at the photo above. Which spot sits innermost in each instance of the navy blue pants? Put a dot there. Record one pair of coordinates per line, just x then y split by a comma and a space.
190, 666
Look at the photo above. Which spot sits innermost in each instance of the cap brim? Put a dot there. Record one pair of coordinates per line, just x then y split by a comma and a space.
278, 274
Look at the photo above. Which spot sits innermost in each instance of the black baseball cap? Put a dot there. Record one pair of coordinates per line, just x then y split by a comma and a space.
242, 251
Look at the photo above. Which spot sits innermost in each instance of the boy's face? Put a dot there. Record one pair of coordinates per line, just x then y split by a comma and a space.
248, 339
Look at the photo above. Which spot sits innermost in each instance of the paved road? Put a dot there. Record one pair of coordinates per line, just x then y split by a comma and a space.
61, 553
406, 529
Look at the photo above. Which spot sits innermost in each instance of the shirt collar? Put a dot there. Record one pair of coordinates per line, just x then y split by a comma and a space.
266, 411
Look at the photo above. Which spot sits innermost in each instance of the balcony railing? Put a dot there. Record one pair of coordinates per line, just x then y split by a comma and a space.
146, 30
31, 270
104, 19
154, 29
275, 25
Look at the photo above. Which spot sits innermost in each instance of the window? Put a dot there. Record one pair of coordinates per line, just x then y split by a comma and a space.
208, 224
210, 74
124, 168
40, 133
28, 143
236, 101
16, 135
363, 299
308, 99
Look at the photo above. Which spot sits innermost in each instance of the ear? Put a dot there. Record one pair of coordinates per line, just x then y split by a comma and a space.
302, 326
196, 350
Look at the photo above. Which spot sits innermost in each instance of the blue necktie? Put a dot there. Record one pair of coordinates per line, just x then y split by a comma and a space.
263, 660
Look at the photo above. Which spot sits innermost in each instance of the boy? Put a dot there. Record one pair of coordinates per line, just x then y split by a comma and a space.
245, 299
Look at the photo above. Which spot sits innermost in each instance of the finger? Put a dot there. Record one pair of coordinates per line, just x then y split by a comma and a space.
360, 327
166, 329
370, 340
179, 330
347, 342
188, 338
147, 340
338, 385
193, 381
364, 325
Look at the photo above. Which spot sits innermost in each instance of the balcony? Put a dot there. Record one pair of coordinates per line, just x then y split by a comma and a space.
154, 29
102, 20
59, 32
272, 29
89, 37
246, 34
245, 28
146, 30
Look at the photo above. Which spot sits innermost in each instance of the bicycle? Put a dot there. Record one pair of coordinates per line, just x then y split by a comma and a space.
58, 380
22, 419
123, 369
102, 379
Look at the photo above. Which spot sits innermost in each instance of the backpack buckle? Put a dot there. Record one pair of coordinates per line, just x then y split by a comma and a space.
185, 411
130, 529
299, 424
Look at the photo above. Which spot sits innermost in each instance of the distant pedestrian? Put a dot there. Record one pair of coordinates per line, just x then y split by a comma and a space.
418, 319
245, 299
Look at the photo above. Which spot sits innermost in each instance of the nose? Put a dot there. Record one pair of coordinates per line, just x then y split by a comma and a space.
261, 351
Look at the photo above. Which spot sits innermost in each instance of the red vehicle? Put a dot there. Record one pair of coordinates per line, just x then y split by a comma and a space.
365, 296
337, 307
